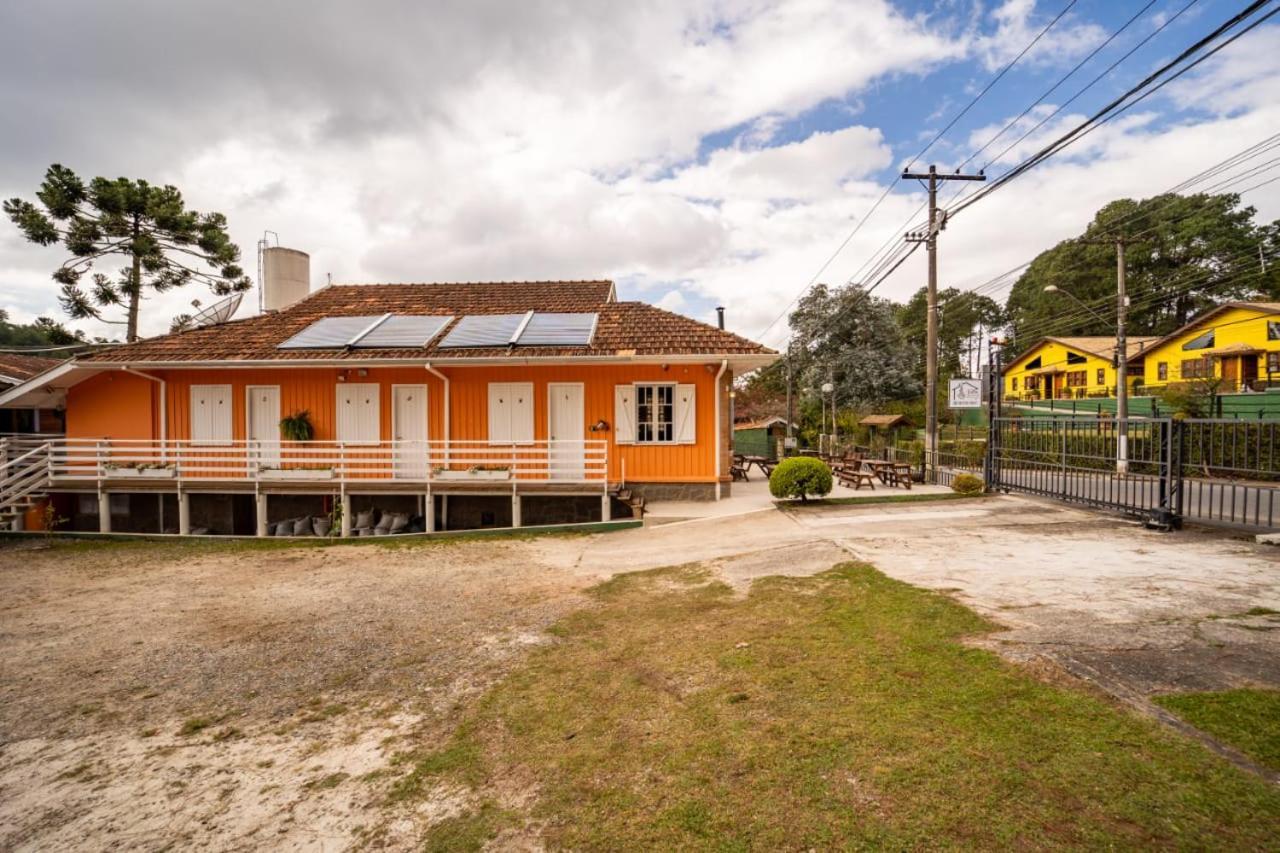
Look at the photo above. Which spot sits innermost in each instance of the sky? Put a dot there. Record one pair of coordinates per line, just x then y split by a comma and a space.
697, 153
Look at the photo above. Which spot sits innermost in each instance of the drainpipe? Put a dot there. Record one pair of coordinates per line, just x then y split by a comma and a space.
445, 380
724, 365
164, 406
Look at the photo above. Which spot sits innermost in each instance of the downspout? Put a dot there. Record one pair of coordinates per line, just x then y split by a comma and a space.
445, 380
164, 406
724, 365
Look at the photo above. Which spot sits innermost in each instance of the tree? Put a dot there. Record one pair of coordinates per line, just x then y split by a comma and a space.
851, 339
1187, 253
960, 313
166, 245
42, 332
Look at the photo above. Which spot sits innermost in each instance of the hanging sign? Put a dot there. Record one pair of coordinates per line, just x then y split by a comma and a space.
965, 394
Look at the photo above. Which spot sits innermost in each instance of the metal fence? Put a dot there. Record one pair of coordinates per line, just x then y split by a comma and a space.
1216, 471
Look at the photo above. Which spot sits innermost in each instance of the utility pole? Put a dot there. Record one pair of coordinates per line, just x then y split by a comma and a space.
937, 221
1122, 354
791, 439
1122, 365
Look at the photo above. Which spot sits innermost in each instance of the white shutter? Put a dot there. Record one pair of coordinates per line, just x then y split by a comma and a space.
499, 413
624, 414
686, 414
521, 412
359, 409
211, 414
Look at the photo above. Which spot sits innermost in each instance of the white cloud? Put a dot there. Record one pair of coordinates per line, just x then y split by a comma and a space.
1017, 24
499, 141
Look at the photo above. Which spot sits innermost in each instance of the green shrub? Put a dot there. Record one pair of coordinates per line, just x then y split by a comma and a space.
968, 484
799, 477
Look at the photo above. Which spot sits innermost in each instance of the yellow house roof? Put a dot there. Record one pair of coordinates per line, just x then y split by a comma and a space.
1100, 346
1261, 307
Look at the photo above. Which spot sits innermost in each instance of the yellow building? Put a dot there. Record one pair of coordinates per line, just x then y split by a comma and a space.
1237, 343
1071, 368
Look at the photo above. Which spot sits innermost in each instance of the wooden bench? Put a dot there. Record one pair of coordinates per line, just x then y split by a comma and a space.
898, 474
856, 478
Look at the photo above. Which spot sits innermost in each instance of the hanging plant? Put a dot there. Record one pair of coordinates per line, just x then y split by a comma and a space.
297, 427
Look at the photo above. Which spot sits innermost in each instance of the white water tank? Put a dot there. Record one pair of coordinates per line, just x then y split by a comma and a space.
286, 277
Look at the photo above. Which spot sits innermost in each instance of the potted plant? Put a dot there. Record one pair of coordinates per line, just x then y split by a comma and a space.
297, 427
476, 472
155, 470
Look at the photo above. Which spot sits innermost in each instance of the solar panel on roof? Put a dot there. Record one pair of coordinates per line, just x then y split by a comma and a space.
566, 330
330, 333
401, 332
484, 330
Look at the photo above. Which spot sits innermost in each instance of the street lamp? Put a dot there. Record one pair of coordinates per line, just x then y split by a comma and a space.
1122, 370
828, 388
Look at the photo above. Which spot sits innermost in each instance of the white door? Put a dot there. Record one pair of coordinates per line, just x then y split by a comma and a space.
262, 427
566, 431
409, 430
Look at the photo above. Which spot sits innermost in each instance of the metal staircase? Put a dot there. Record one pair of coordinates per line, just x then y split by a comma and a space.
24, 478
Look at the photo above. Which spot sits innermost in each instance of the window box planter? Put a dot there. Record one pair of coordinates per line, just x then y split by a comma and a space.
146, 473
474, 474
296, 473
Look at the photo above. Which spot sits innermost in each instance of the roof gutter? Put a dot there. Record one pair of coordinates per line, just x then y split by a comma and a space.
164, 403
753, 360
724, 365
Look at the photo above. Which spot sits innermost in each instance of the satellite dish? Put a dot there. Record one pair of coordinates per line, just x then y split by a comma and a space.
217, 313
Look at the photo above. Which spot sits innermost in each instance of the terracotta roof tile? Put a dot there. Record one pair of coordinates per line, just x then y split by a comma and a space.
25, 366
622, 326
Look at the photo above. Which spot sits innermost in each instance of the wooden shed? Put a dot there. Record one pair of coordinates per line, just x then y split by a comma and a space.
882, 426
760, 438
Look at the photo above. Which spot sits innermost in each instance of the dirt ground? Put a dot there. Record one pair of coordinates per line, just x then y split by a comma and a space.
154, 696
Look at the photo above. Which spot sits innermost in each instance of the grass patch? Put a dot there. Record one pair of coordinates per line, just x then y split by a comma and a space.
841, 710
876, 499
466, 832
1247, 719
460, 760
325, 783
194, 725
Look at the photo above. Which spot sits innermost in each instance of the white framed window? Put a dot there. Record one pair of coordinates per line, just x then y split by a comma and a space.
655, 413
510, 412
211, 414
359, 412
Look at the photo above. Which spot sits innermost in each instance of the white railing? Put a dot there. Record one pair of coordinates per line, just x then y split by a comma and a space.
24, 471
321, 461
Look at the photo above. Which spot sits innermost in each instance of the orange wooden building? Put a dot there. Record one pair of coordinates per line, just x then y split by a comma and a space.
438, 405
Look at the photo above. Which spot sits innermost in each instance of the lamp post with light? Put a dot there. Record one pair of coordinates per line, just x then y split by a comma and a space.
828, 388
1122, 368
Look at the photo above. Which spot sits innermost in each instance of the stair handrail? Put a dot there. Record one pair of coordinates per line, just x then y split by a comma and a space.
23, 475
10, 463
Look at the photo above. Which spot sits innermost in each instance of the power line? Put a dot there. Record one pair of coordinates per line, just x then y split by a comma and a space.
889, 187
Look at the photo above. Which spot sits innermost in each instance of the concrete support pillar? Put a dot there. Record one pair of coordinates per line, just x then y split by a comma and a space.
515, 511
184, 514
444, 512
606, 508
346, 515
104, 512
429, 514
260, 504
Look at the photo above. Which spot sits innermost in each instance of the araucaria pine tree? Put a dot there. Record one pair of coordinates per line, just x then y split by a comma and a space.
166, 246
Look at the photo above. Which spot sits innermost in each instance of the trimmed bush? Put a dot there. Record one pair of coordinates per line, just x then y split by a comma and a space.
967, 484
799, 477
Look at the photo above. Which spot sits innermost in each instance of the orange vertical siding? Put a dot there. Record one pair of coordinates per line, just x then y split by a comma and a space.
118, 405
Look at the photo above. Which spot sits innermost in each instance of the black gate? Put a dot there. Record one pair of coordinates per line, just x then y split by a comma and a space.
1213, 471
